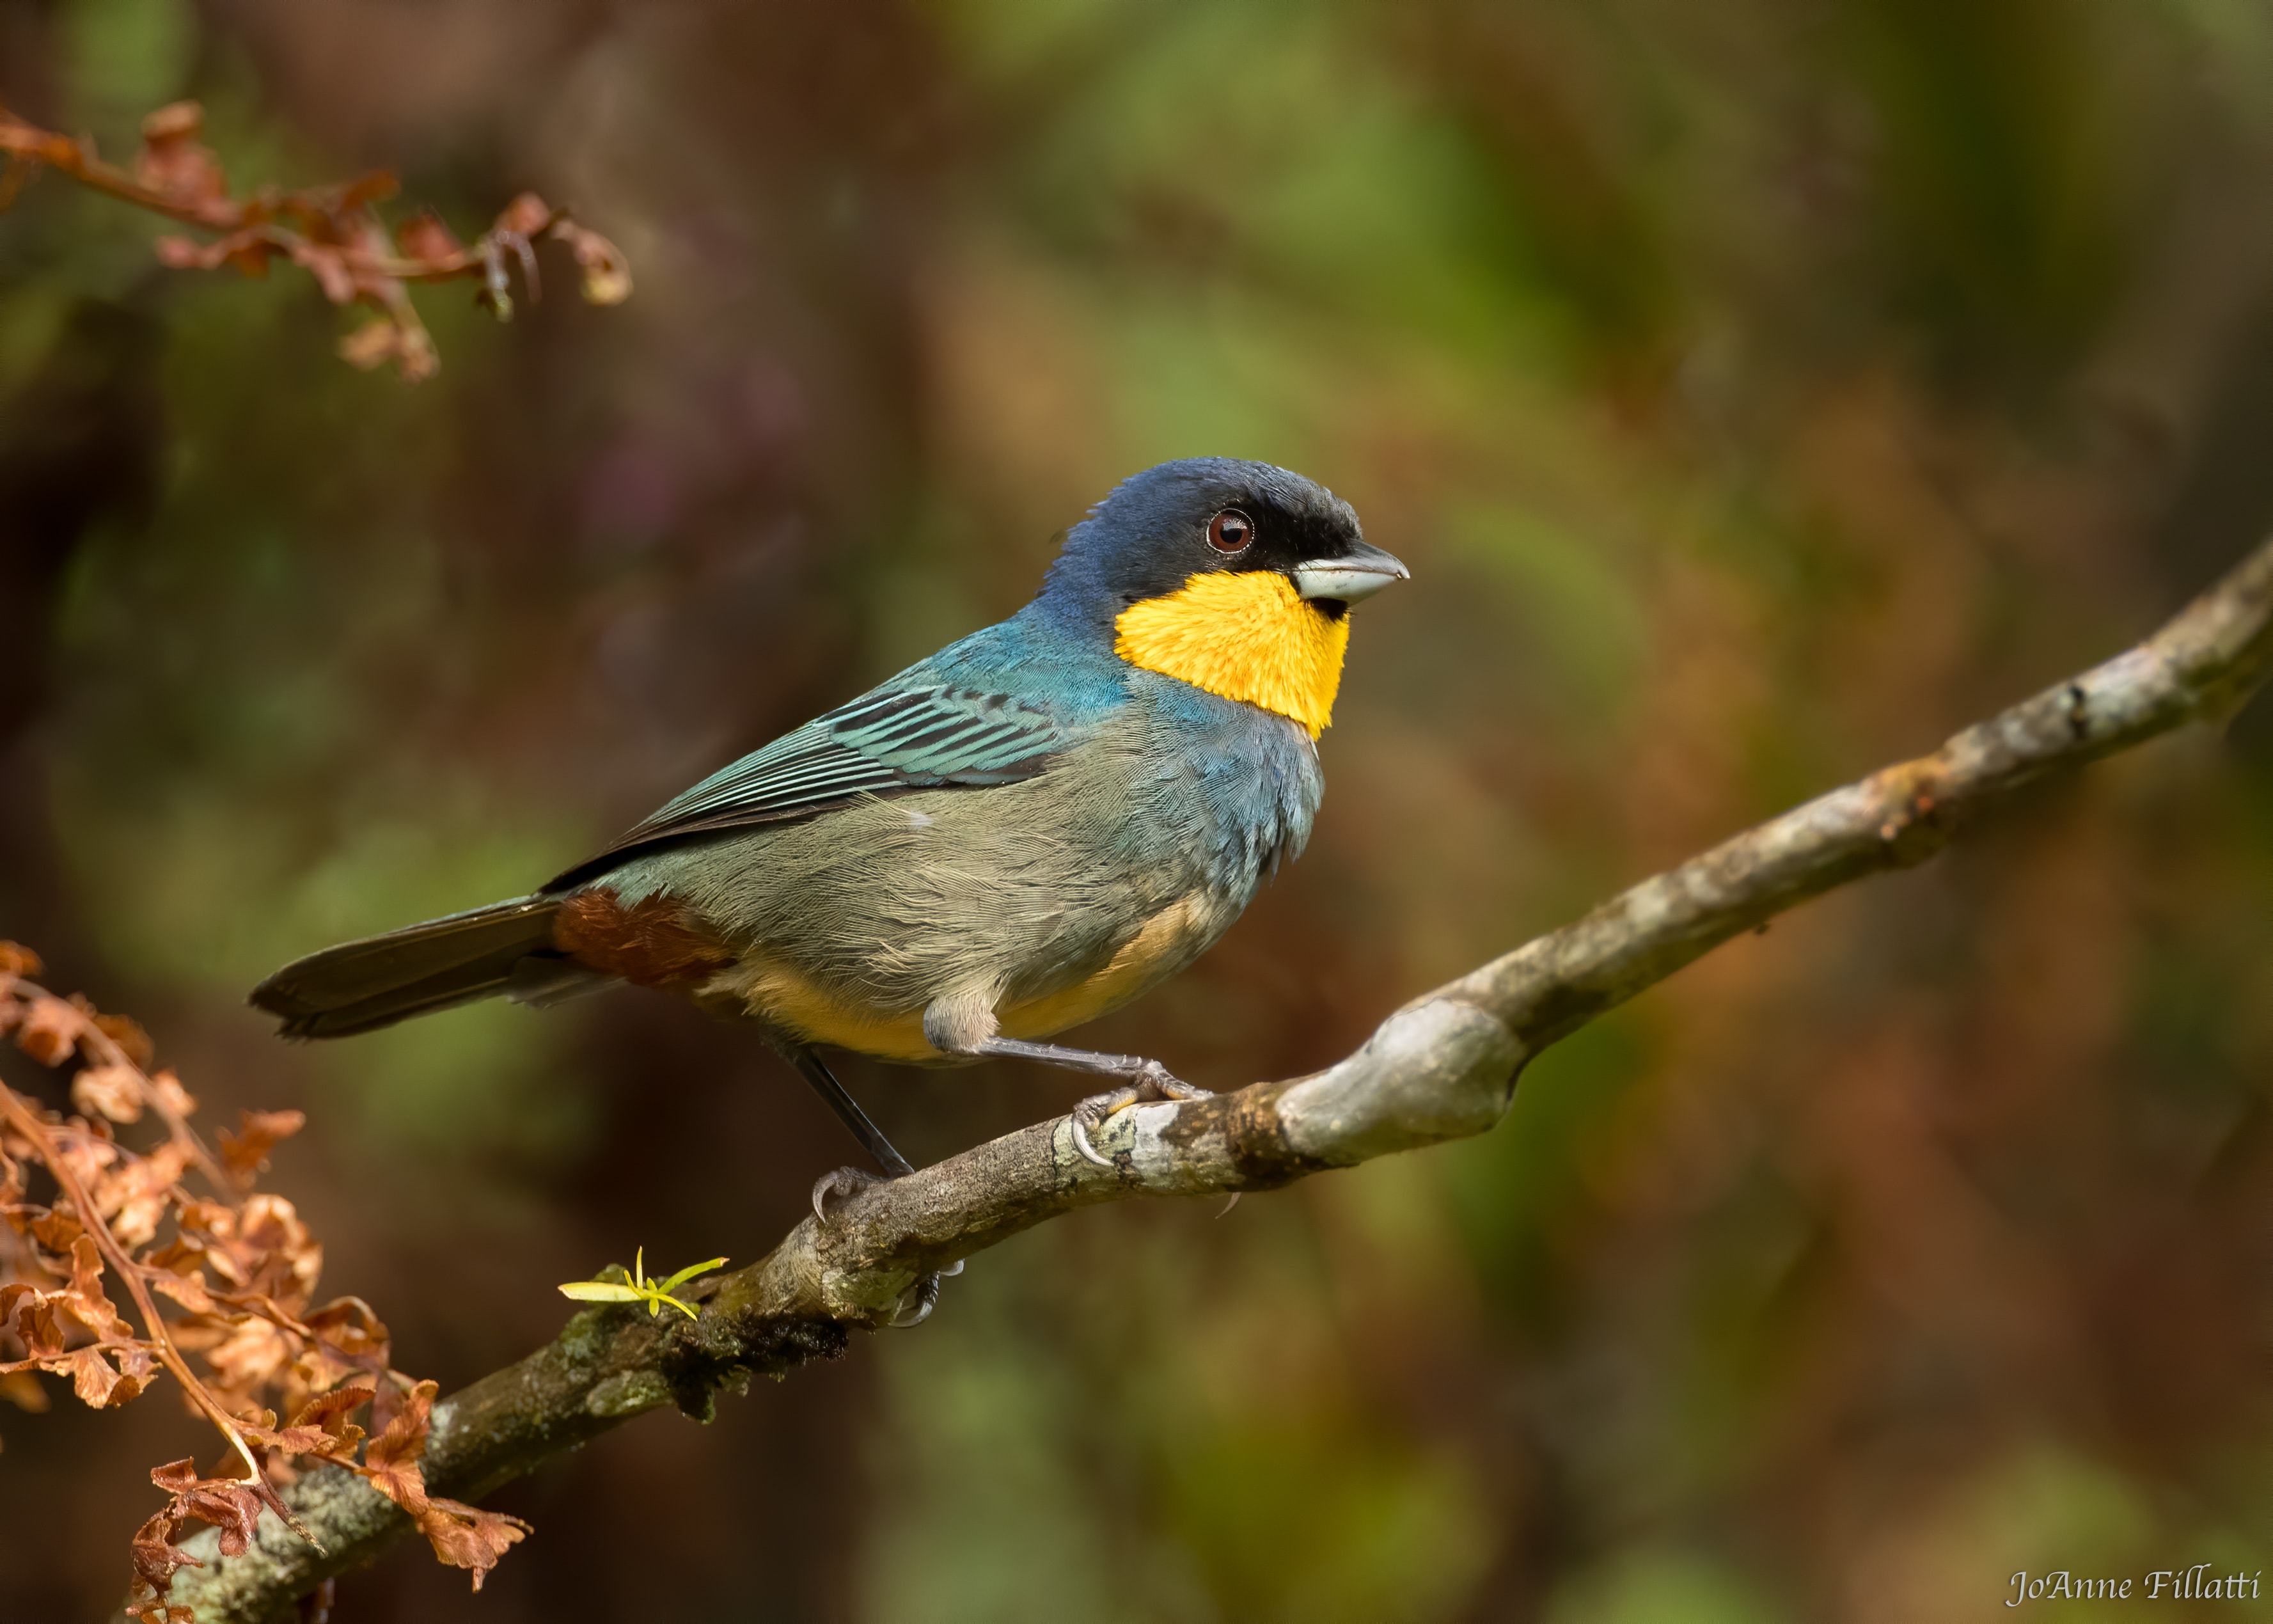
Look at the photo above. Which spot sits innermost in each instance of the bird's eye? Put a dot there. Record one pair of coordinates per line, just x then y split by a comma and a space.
1231, 532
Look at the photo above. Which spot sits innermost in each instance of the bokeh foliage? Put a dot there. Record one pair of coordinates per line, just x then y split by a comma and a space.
1758, 390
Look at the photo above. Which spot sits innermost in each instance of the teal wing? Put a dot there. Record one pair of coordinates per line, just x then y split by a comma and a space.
884, 743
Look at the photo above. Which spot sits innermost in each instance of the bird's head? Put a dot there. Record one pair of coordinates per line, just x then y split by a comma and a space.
1236, 578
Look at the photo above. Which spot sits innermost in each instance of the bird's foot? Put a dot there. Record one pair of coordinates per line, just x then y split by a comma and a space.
1150, 1080
916, 1303
1143, 1079
830, 1191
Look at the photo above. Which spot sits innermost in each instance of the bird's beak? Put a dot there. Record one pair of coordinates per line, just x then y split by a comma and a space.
1360, 573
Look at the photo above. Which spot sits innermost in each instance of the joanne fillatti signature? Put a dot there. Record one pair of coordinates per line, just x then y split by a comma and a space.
2195, 1583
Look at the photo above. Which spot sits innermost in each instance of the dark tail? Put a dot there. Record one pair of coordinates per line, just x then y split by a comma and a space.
360, 986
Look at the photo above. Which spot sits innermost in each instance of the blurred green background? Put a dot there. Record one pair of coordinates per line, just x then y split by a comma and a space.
1760, 390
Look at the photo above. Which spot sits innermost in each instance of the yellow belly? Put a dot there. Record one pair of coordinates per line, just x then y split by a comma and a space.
781, 996
1146, 958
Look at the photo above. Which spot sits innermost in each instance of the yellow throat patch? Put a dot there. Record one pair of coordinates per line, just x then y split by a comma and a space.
1247, 637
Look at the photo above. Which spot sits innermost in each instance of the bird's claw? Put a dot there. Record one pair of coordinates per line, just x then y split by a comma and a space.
1090, 1115
1150, 1081
917, 1302
831, 1191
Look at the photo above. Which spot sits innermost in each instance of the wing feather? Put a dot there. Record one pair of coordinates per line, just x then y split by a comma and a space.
884, 743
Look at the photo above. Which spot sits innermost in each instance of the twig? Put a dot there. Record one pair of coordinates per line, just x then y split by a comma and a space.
111, 1205
333, 232
27, 1123
97, 1043
1441, 1068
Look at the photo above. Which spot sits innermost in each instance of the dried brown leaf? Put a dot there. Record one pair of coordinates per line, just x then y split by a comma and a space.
329, 266
372, 345
176, 121
387, 338
375, 186
350, 1324
50, 1030
250, 1324
188, 1289
216, 1220
390, 1463
281, 1257
134, 1194
229, 1504
55, 1231
111, 1091
171, 1095
196, 1333
183, 1254
462, 1536
86, 1300
136, 1361
318, 1371
525, 216
126, 1032
173, 163
467, 1537
159, 1610
87, 1156
252, 1354
97, 1385
245, 1153
35, 1321
607, 274
330, 1410
156, 1557
322, 1428
22, 1307
425, 236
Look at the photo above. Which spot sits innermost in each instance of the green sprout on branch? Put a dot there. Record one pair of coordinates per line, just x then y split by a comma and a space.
638, 1288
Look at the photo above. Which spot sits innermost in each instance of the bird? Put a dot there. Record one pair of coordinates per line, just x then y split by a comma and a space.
1027, 830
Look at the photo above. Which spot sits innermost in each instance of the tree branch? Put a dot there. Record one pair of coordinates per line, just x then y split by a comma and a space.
1440, 1067
334, 232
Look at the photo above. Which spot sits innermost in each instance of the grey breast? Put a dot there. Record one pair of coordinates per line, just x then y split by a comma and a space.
1024, 888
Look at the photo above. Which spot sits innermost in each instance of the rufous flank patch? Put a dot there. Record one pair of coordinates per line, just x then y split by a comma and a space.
651, 944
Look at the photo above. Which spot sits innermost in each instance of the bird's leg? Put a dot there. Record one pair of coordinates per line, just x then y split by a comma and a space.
848, 1111
1145, 1080
918, 1300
